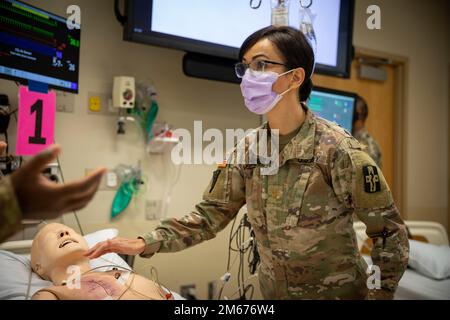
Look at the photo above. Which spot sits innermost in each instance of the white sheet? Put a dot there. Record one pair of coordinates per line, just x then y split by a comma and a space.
414, 286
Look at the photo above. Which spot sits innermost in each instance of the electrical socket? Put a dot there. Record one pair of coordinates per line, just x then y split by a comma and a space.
153, 209
64, 101
101, 103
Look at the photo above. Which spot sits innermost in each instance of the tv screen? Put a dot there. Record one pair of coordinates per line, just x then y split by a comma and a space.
333, 105
36, 45
219, 27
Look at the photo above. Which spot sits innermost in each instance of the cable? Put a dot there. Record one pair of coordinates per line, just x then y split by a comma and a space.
171, 184
113, 266
27, 295
74, 211
229, 243
242, 247
15, 117
119, 16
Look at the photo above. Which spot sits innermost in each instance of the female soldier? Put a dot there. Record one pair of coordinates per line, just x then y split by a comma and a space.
302, 215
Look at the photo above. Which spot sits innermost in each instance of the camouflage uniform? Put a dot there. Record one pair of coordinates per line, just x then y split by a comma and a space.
10, 214
302, 217
371, 145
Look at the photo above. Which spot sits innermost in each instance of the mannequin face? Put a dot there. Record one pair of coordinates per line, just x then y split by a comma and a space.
56, 246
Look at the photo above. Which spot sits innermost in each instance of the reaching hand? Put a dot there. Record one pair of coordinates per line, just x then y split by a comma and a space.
117, 245
40, 198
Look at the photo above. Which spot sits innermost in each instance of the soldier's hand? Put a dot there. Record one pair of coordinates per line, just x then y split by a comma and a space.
129, 247
39, 198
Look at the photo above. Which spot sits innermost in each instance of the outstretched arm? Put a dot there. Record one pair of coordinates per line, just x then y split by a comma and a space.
222, 199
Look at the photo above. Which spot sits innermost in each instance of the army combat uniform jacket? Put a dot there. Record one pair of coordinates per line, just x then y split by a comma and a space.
303, 217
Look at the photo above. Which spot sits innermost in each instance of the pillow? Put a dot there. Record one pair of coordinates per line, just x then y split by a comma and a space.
15, 273
15, 269
430, 260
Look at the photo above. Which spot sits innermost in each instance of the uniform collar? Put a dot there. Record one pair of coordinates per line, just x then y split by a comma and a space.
301, 147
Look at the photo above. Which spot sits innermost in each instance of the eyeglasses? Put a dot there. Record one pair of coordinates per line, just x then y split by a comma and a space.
256, 65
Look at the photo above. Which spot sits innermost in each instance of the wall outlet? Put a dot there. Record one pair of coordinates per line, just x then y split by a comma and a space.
152, 209
99, 103
64, 101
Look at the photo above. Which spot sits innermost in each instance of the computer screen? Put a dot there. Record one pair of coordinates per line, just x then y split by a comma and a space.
220, 27
36, 45
333, 105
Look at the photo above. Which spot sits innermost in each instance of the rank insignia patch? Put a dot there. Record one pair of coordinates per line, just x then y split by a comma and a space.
371, 179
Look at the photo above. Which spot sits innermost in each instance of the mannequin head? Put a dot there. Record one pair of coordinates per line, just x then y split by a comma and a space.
56, 247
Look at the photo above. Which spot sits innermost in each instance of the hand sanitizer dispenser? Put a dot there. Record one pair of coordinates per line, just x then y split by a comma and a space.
124, 92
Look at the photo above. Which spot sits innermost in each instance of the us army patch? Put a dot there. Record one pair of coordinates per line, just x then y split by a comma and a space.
371, 179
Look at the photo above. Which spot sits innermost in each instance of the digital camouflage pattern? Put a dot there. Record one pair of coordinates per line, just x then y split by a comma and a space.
371, 146
303, 218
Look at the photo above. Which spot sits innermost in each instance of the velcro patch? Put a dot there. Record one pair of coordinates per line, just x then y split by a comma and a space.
371, 179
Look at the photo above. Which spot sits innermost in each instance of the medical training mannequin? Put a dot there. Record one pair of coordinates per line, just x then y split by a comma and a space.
57, 256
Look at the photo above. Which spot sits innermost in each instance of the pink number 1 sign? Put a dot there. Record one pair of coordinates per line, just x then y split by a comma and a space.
36, 122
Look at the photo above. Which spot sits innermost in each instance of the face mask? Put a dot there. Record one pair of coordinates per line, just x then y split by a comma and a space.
256, 88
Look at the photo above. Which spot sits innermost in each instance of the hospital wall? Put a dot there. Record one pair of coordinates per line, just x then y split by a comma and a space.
409, 28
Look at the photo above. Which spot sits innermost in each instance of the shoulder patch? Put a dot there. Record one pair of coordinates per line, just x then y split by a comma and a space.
371, 179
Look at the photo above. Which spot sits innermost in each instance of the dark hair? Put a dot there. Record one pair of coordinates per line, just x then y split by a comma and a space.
363, 112
294, 47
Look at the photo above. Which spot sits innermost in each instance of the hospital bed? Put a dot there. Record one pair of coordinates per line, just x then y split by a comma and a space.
16, 275
428, 274
18, 282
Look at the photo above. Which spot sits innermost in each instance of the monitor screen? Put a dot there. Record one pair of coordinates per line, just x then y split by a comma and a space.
219, 27
36, 45
333, 105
